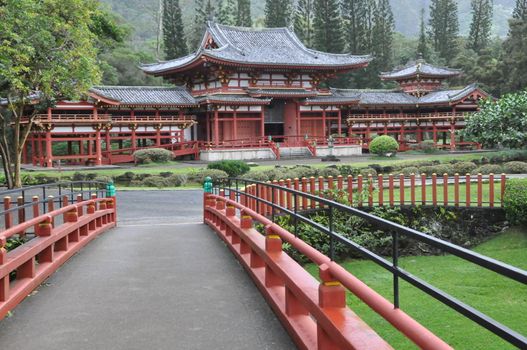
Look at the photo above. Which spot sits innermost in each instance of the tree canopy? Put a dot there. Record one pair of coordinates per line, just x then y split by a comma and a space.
502, 122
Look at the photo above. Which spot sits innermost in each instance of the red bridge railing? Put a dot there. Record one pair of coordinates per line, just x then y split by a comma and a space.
48, 236
315, 314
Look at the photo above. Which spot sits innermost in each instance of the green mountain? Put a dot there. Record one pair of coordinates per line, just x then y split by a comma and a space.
141, 15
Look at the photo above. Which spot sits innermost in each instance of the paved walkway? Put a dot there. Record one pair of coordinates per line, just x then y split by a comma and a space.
161, 280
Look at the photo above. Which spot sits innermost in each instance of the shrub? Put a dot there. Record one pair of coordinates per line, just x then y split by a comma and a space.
155, 181
215, 174
367, 171
166, 174
383, 145
439, 169
301, 171
275, 174
515, 167
156, 155
489, 169
234, 168
78, 176
125, 178
256, 176
463, 168
427, 146
103, 178
329, 172
178, 180
41, 179
410, 170
515, 201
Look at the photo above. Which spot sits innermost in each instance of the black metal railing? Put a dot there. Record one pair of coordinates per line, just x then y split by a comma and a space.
297, 214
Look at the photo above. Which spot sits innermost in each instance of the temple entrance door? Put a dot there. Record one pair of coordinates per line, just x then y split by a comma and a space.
274, 120
275, 129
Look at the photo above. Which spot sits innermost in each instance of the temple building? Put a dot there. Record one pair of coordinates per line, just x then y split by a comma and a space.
253, 94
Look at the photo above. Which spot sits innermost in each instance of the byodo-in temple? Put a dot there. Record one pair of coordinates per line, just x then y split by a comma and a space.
253, 94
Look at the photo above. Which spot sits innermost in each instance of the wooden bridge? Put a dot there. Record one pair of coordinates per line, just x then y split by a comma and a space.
161, 280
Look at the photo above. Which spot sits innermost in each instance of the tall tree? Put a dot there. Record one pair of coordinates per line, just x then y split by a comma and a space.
520, 10
227, 12
444, 28
278, 13
243, 17
303, 21
204, 11
173, 33
422, 45
355, 24
43, 58
383, 28
514, 59
328, 26
481, 25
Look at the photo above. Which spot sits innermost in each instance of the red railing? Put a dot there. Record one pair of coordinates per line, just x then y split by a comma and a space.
400, 190
314, 313
58, 234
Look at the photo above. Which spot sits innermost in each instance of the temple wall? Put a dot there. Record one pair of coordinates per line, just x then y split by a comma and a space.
245, 154
290, 125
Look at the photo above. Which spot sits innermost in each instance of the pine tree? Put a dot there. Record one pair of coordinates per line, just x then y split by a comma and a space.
173, 33
514, 61
227, 12
303, 21
382, 35
278, 13
481, 25
327, 26
243, 17
355, 25
520, 10
422, 45
203, 13
444, 28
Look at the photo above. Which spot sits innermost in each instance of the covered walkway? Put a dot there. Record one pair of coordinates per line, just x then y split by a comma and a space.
161, 280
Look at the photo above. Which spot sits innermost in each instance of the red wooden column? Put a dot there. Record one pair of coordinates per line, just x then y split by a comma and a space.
453, 130
339, 122
98, 148
262, 122
207, 125
235, 122
49, 147
158, 130
434, 132
133, 127
324, 126
33, 150
216, 127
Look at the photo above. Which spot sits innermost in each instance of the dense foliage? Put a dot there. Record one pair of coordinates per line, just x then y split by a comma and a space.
152, 155
515, 201
234, 168
383, 145
500, 123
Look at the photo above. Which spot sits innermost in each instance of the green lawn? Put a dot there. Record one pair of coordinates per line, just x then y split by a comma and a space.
176, 167
498, 297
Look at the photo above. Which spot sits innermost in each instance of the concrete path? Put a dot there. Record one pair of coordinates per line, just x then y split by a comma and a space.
161, 280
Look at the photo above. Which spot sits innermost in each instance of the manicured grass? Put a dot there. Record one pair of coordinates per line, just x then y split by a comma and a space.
176, 167
503, 299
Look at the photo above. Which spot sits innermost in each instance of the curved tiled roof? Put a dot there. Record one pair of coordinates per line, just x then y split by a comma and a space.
419, 67
241, 99
267, 47
144, 95
448, 95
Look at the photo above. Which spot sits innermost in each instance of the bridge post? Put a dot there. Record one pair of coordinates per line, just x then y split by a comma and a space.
445, 189
491, 190
370, 190
412, 188
312, 190
502, 187
350, 190
80, 199
4, 281
246, 223
45, 230
273, 246
7, 216
304, 190
380, 181
401, 189
331, 294
423, 189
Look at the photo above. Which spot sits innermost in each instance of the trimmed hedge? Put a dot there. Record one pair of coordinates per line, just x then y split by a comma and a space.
383, 145
515, 167
439, 169
463, 168
410, 170
515, 201
489, 169
234, 168
155, 155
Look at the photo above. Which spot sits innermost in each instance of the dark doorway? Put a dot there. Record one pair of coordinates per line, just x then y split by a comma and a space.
275, 129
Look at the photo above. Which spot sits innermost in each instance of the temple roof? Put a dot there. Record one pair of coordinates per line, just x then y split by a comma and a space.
421, 68
143, 95
281, 92
377, 97
268, 47
236, 99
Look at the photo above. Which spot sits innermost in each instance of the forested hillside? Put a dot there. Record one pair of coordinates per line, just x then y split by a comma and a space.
141, 15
